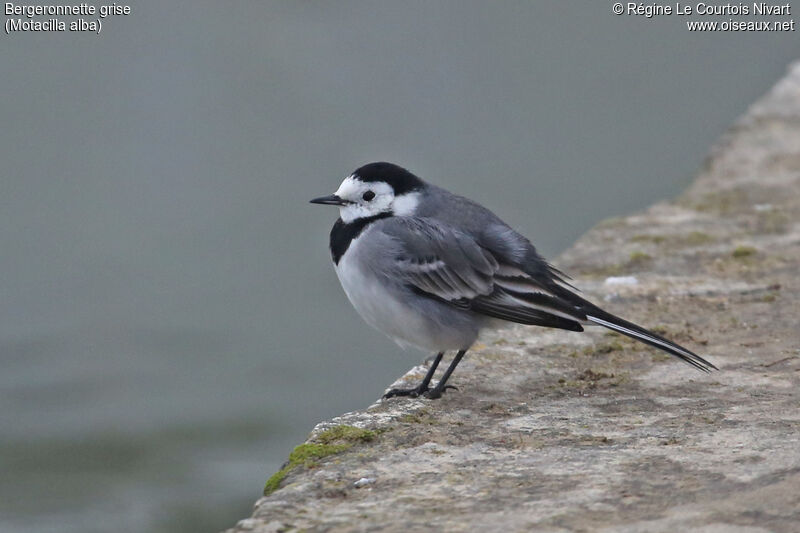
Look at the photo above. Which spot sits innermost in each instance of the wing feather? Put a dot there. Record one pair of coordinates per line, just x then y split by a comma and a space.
440, 262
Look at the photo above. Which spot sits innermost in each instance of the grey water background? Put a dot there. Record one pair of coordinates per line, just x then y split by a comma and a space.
170, 324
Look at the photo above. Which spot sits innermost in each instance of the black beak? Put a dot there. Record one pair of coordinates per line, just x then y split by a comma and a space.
331, 199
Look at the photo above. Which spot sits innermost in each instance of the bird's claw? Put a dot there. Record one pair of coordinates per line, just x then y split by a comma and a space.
416, 392
411, 393
436, 392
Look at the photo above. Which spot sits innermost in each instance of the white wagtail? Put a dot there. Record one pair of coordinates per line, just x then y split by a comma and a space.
432, 269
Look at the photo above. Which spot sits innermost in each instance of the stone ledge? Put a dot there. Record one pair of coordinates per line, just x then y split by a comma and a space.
556, 431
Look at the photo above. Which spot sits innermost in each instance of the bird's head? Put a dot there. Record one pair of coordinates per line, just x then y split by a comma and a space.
376, 189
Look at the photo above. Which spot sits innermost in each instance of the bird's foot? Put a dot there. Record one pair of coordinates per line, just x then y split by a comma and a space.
416, 392
413, 393
436, 392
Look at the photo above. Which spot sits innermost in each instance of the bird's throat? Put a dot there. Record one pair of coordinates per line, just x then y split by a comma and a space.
342, 234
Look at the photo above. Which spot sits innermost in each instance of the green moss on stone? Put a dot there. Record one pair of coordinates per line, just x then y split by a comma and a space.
307, 454
275, 481
331, 441
655, 239
422, 416
346, 433
637, 258
607, 270
743, 251
697, 238
609, 347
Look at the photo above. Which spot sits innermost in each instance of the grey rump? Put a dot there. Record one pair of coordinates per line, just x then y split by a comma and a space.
432, 269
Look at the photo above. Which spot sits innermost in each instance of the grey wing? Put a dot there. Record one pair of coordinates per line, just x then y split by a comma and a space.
441, 262
491, 233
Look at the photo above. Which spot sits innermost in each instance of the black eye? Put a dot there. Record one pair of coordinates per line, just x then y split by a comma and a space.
367, 196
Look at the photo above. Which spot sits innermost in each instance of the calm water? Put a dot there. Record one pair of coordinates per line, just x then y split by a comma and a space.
170, 324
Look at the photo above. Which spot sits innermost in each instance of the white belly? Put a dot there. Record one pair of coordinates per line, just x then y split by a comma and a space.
380, 308
383, 307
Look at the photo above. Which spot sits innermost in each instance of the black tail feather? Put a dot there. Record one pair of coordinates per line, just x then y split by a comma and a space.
598, 316
528, 316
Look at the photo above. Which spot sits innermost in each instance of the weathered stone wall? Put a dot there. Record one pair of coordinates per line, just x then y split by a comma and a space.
558, 431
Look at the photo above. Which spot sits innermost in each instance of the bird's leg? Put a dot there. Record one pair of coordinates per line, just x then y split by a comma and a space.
442, 386
423, 387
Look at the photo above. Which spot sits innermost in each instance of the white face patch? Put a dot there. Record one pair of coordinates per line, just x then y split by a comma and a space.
406, 204
353, 189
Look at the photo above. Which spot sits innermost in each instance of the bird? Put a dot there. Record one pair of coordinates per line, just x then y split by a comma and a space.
432, 270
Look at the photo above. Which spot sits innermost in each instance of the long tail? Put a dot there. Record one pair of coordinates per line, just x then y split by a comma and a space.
540, 296
603, 318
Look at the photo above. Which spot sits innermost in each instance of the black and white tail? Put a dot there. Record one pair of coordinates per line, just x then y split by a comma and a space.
602, 318
585, 311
